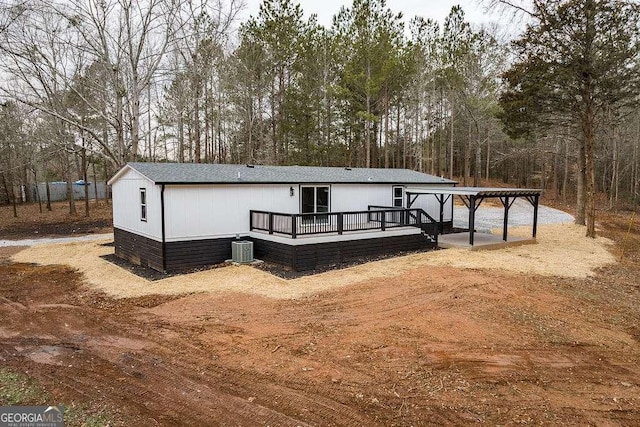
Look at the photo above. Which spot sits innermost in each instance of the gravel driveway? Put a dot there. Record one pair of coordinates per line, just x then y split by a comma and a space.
50, 240
521, 213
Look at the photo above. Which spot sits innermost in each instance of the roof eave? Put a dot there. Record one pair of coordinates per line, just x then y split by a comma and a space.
124, 170
298, 182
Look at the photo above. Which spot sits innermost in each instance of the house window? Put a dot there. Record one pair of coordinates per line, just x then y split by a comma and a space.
314, 199
143, 204
398, 199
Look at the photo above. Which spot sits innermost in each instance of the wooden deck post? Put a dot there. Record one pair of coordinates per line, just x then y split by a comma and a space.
270, 222
340, 222
294, 226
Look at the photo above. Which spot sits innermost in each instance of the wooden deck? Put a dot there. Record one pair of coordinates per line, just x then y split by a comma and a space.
482, 241
294, 225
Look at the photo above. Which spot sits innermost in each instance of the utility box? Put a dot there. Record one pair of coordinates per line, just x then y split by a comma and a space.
242, 251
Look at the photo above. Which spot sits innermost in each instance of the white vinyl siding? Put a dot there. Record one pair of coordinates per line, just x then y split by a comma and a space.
356, 197
214, 211
127, 209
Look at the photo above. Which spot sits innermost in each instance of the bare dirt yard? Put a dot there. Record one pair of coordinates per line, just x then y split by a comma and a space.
30, 223
418, 340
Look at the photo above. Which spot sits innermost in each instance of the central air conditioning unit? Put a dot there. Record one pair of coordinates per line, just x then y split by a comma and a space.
242, 251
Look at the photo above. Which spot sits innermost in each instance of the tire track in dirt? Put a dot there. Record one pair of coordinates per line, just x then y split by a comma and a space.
154, 379
435, 345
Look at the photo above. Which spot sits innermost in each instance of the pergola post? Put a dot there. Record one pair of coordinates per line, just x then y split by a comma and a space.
505, 224
440, 198
472, 218
536, 199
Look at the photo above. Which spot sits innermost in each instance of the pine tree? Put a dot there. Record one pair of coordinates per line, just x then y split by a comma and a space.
575, 61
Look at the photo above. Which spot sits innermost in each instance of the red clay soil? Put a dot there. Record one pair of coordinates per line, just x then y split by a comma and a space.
434, 346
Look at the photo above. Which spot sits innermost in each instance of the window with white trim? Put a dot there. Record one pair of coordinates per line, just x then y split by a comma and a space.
143, 204
398, 199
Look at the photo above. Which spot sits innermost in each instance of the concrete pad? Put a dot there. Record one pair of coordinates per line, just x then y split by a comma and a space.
481, 241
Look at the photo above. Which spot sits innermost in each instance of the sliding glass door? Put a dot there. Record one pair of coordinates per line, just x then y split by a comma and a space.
314, 199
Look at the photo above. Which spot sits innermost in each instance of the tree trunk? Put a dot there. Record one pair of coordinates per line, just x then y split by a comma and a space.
70, 198
451, 142
404, 136
106, 186
386, 132
260, 136
105, 131
367, 123
48, 189
222, 152
35, 178
588, 130
120, 123
135, 118
565, 177
613, 193
440, 164
556, 156
543, 168
207, 125
25, 186
635, 175
421, 145
588, 120
95, 182
478, 166
486, 172
274, 133
180, 138
12, 196
150, 149
580, 185
196, 129
467, 158
84, 174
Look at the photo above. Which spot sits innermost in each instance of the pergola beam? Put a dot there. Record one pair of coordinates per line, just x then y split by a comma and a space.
473, 197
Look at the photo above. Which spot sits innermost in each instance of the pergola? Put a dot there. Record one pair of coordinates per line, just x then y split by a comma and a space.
473, 197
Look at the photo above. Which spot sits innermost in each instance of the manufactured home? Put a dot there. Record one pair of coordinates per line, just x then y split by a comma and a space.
170, 216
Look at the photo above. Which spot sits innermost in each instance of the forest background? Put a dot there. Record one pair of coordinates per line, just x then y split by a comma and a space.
89, 85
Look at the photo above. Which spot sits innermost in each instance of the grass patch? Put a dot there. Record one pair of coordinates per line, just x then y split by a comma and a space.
17, 389
78, 415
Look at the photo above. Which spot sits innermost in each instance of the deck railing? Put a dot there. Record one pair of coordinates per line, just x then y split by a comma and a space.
375, 218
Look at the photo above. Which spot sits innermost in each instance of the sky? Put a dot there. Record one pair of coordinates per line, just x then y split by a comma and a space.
435, 9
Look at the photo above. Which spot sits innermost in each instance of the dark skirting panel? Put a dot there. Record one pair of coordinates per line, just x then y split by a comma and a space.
312, 256
197, 253
138, 249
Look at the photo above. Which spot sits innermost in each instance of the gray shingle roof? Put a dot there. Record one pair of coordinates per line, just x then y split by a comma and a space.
192, 173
